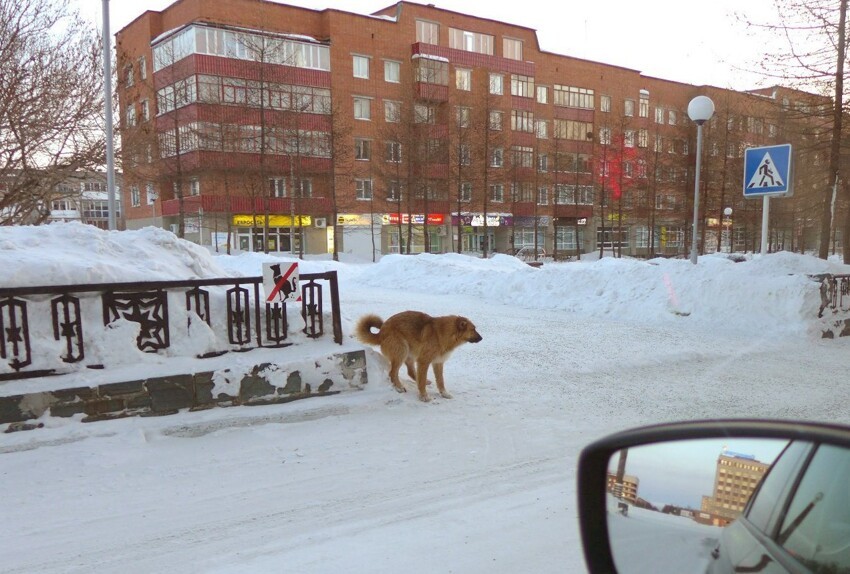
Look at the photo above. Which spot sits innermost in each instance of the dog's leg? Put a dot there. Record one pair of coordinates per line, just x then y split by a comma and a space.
441, 386
411, 369
395, 366
395, 354
422, 379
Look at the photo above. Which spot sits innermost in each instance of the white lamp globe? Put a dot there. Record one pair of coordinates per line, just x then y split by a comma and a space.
701, 109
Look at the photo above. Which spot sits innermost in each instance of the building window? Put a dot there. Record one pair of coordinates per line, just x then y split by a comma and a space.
543, 196
194, 186
671, 117
135, 196
465, 191
470, 41
629, 138
496, 121
605, 136
629, 108
464, 114
362, 108
128, 75
277, 187
392, 111
522, 86
363, 188
423, 114
512, 49
643, 138
497, 157
522, 121
465, 157
542, 95
150, 193
131, 115
573, 130
394, 191
393, 152
541, 128
542, 163
573, 97
497, 192
361, 67
362, 149
659, 115
604, 103
522, 156
392, 71
427, 32
644, 104
144, 106
497, 84
463, 79
430, 71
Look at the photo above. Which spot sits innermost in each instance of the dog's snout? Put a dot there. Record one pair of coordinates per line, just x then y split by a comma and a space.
476, 337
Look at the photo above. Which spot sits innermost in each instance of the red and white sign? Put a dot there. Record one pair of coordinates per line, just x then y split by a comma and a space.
280, 282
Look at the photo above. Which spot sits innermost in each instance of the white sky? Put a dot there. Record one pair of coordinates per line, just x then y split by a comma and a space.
372, 481
660, 38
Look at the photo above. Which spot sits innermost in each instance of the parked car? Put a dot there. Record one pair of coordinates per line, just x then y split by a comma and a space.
527, 253
797, 519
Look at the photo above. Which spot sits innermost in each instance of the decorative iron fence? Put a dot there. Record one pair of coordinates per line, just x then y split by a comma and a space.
33, 345
834, 292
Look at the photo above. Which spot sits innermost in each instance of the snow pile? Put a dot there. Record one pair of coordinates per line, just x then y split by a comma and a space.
75, 253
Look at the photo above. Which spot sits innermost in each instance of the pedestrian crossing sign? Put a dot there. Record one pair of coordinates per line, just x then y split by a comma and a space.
767, 171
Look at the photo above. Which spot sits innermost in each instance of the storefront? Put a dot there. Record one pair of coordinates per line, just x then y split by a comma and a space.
250, 233
473, 237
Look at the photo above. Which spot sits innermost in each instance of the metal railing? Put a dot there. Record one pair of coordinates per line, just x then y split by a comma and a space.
834, 292
33, 346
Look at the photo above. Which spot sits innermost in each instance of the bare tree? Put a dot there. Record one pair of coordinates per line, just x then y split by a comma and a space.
816, 37
51, 104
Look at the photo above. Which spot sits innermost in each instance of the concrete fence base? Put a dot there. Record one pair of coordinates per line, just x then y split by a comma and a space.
264, 383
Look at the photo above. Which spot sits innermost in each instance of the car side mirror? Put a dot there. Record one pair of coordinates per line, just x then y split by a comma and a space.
658, 499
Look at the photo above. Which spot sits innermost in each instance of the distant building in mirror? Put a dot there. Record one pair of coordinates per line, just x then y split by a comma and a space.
626, 490
735, 479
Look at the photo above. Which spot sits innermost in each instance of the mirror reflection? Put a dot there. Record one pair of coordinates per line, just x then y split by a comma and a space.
668, 503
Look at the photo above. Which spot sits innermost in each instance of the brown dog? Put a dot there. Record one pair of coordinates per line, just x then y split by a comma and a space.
412, 337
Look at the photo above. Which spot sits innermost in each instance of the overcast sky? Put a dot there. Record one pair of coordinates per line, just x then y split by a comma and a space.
685, 42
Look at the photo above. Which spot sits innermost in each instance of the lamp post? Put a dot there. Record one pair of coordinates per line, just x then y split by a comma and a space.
727, 223
700, 110
107, 98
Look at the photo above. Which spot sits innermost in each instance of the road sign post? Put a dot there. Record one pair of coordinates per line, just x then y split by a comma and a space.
767, 173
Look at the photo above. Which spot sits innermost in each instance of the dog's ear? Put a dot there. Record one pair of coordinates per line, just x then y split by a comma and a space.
461, 324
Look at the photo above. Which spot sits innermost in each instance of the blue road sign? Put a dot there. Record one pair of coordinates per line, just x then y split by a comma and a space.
767, 171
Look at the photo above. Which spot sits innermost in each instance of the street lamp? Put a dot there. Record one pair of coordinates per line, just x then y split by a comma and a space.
727, 223
700, 111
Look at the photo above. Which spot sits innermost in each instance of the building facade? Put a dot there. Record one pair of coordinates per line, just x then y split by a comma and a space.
273, 127
735, 479
84, 197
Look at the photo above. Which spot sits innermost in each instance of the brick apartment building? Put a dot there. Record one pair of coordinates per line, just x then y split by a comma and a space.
420, 129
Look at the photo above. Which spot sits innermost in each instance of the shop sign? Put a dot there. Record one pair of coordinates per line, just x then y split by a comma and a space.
416, 218
477, 220
353, 219
274, 220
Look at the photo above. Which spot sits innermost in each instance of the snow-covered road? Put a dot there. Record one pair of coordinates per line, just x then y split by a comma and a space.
379, 482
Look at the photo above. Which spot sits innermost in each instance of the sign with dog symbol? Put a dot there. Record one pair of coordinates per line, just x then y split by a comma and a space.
280, 282
767, 171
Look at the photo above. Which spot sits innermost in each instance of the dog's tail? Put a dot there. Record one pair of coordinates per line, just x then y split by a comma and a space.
363, 331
